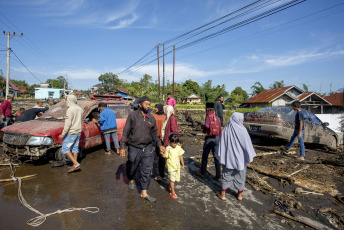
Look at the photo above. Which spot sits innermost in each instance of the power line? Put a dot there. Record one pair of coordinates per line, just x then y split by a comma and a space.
242, 39
227, 29
25, 66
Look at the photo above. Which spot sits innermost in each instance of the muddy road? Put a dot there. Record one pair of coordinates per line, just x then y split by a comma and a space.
102, 183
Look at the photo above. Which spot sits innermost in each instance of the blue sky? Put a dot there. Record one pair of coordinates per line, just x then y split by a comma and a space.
303, 44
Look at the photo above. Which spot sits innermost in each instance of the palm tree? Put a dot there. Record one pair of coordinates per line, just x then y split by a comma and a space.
305, 87
257, 88
277, 84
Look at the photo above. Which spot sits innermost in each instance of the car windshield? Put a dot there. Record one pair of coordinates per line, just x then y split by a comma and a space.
57, 111
121, 110
287, 113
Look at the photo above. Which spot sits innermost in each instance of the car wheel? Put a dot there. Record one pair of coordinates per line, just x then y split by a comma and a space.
59, 156
332, 143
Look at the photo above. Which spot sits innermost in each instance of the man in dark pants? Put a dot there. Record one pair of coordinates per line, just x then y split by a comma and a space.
212, 129
140, 132
219, 107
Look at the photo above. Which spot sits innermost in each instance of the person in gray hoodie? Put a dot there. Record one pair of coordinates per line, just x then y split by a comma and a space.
71, 132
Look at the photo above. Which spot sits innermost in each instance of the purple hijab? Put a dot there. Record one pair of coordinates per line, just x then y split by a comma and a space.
235, 148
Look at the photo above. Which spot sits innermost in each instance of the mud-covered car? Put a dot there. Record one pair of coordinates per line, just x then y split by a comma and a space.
39, 137
279, 122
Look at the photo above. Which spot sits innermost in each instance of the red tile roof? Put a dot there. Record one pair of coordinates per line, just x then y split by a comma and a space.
336, 99
268, 95
22, 89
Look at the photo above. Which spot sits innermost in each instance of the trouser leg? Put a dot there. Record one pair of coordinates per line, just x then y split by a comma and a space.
302, 145
134, 159
115, 139
107, 141
208, 145
292, 139
216, 160
156, 162
146, 167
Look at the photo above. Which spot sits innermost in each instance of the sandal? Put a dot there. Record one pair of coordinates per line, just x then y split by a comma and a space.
201, 175
74, 169
219, 196
149, 198
158, 178
174, 196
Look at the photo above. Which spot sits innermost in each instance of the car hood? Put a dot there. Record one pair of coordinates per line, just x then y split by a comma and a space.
36, 127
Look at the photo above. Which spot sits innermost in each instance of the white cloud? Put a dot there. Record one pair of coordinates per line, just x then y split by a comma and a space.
124, 22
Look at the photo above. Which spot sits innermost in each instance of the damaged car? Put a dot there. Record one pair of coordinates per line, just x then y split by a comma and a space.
279, 122
39, 137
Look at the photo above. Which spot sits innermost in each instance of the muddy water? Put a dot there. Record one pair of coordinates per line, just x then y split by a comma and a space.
102, 183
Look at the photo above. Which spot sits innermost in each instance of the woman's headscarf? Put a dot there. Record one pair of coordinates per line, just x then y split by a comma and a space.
235, 148
168, 111
214, 128
160, 108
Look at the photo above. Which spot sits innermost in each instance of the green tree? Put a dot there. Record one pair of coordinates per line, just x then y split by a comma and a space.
191, 87
277, 84
2, 83
257, 88
237, 96
58, 83
19, 83
305, 87
210, 93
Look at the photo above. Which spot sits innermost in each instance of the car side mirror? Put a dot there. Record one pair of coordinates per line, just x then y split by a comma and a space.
325, 124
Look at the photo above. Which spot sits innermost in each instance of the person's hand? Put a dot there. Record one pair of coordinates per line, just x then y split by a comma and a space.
183, 168
61, 136
2, 116
299, 136
162, 150
122, 153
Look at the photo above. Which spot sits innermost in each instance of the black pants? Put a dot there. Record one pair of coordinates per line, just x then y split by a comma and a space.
211, 144
142, 159
159, 164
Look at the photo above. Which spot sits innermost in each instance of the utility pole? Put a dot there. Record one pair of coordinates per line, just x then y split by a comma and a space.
174, 57
163, 74
158, 73
9, 36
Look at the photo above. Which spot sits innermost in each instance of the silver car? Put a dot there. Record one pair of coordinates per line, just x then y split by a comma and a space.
279, 122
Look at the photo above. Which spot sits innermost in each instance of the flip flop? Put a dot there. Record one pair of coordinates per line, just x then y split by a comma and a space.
174, 196
108, 153
218, 195
73, 169
149, 198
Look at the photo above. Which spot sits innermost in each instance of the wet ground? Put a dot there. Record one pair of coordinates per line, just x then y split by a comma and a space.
102, 183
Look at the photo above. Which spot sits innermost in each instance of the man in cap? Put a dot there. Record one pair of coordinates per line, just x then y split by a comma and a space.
6, 111
140, 132
71, 132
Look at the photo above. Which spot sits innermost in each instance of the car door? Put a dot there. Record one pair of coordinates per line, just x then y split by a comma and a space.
121, 111
317, 129
308, 127
91, 135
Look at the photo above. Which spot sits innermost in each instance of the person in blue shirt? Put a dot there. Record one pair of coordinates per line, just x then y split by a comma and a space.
298, 130
108, 126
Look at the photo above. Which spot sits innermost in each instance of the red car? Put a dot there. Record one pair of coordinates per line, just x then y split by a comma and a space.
39, 137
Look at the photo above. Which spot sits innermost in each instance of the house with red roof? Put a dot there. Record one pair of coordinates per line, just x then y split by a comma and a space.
284, 96
337, 101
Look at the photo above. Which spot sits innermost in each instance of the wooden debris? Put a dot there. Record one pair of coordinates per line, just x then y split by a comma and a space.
23, 177
304, 168
295, 219
301, 191
275, 175
7, 164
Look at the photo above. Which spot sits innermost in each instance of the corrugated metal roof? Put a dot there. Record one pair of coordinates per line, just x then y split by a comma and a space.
304, 96
15, 88
268, 95
336, 99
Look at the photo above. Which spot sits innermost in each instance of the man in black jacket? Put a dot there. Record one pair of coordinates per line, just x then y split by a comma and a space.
140, 132
219, 106
30, 114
